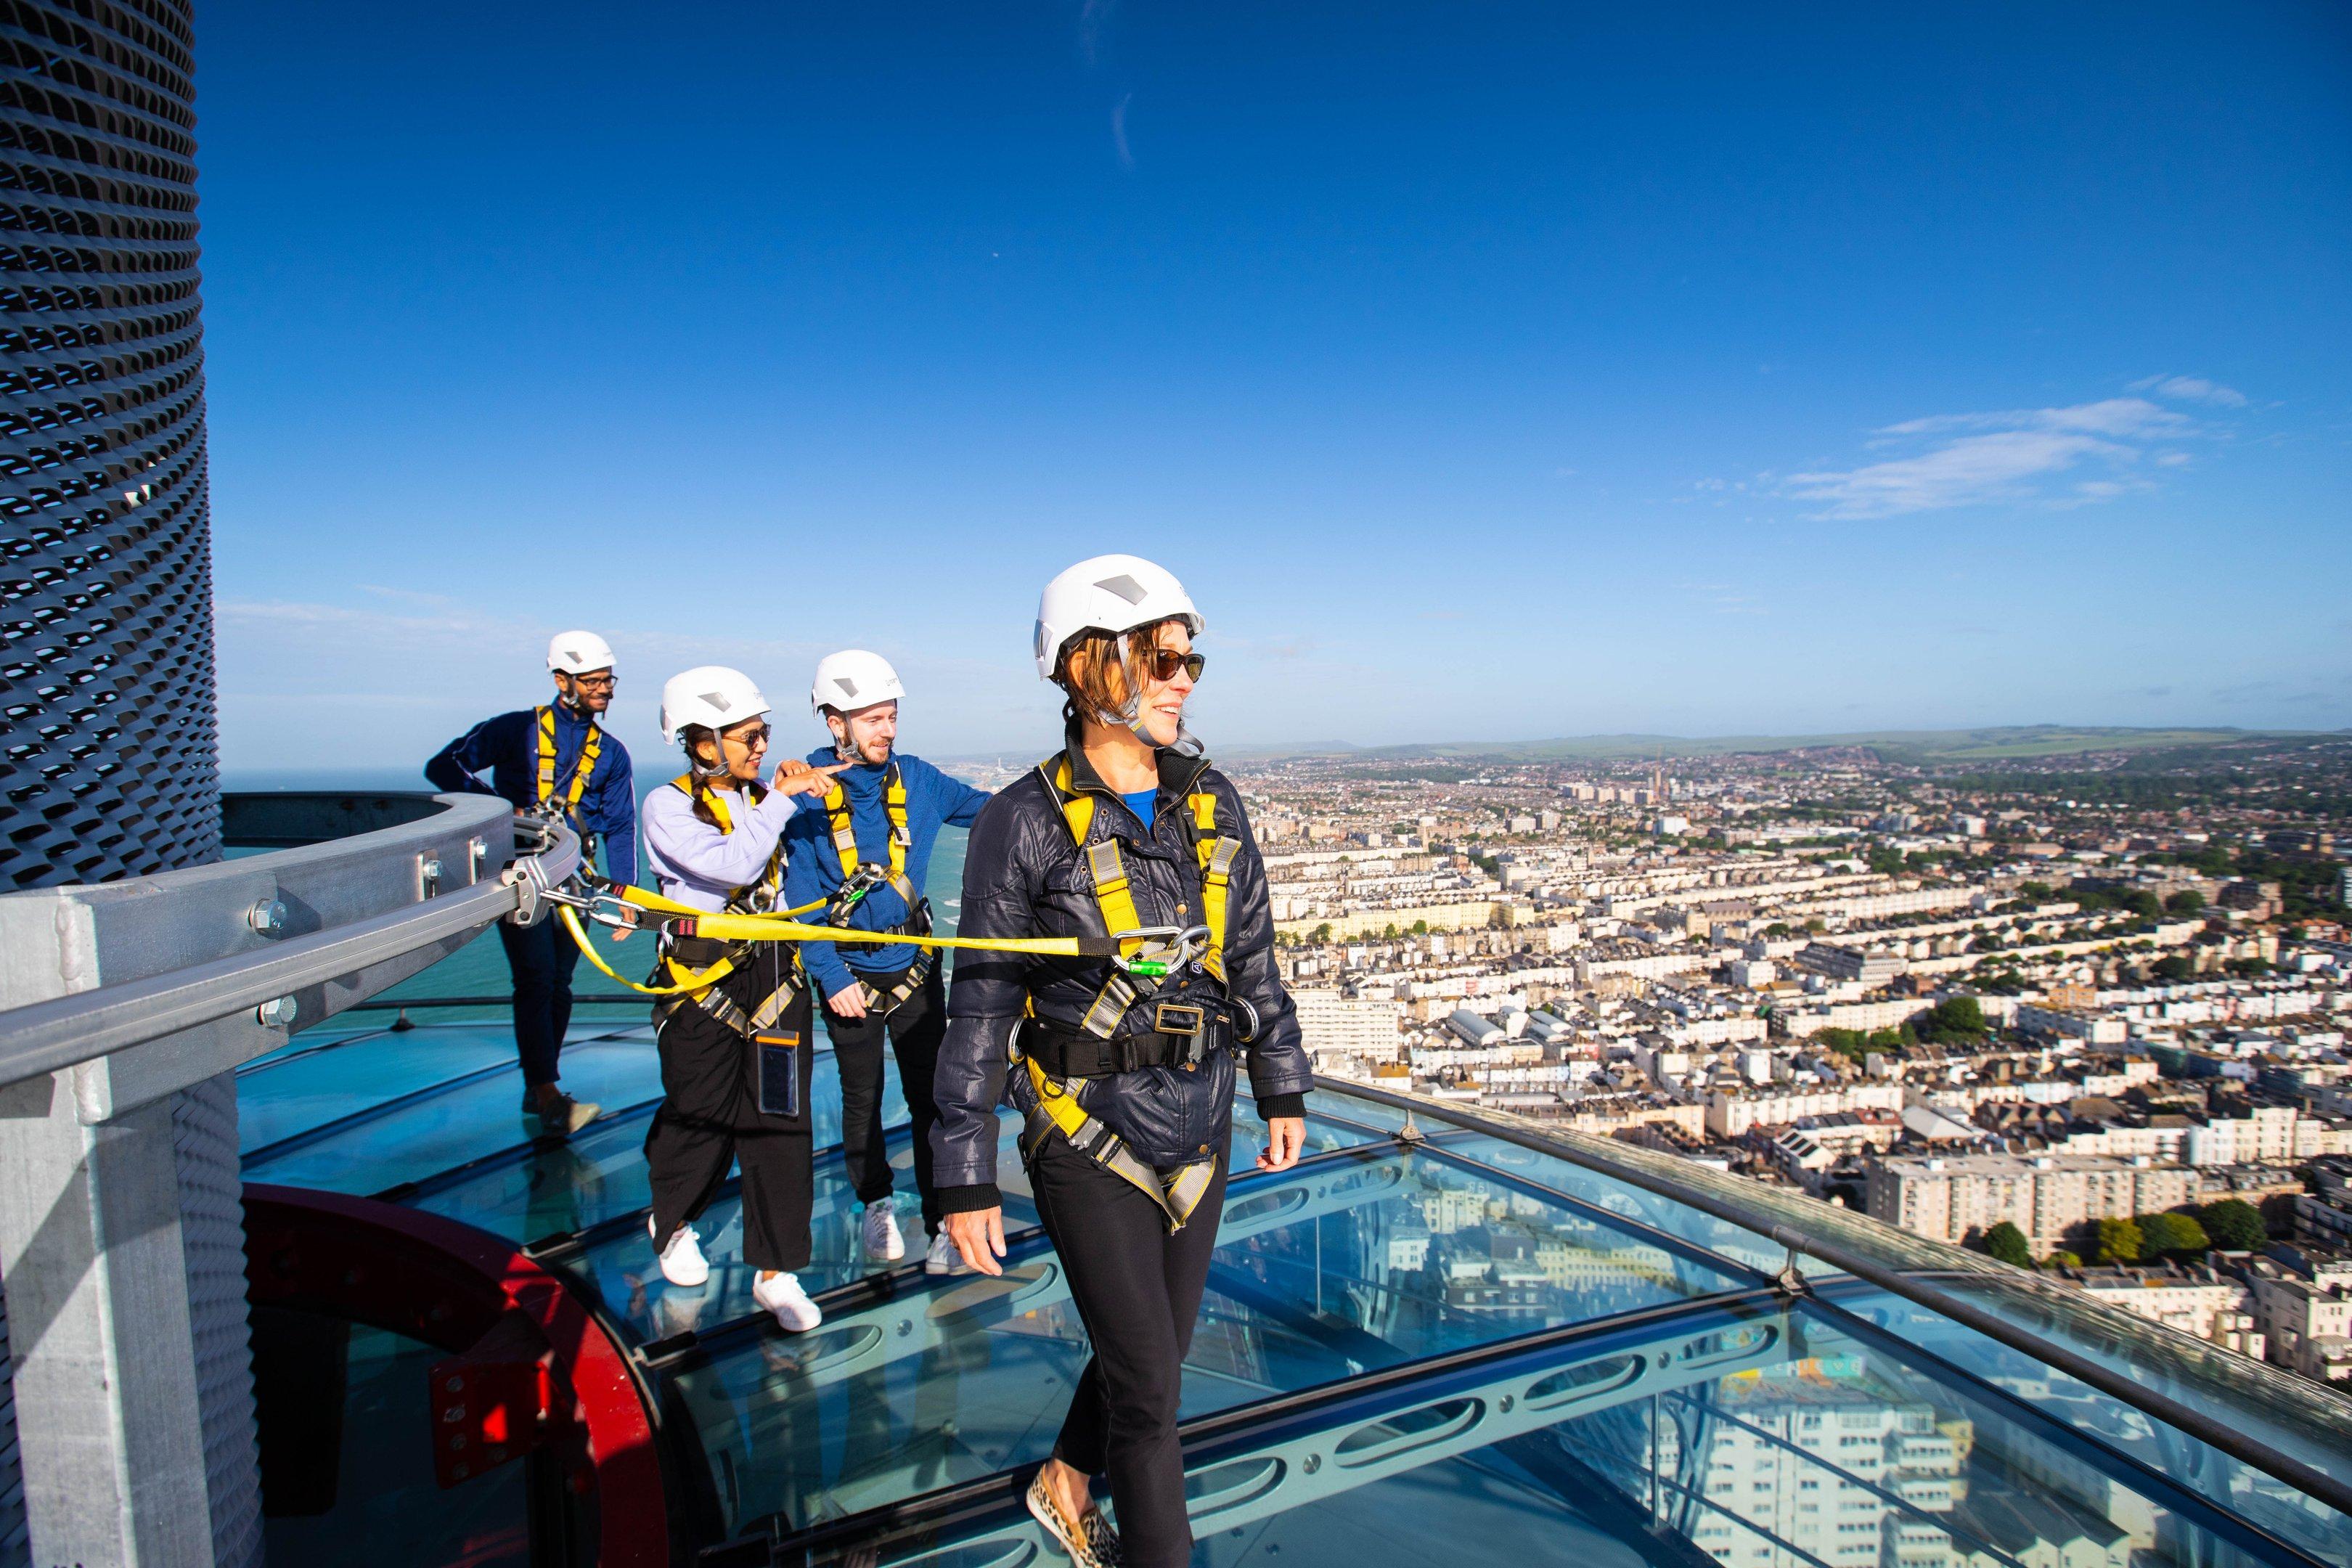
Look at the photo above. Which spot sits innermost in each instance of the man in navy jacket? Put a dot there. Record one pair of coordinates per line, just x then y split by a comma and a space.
873, 835
554, 758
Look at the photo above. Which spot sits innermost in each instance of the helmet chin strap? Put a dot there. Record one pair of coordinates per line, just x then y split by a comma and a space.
842, 752
1186, 745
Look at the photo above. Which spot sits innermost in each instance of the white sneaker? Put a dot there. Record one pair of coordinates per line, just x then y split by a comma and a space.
682, 1263
943, 1257
781, 1294
879, 1231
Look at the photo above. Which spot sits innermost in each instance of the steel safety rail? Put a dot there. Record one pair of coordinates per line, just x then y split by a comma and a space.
2321, 1411
254, 906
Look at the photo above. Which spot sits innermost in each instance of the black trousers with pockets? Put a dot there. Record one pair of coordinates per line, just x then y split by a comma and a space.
916, 1026
1138, 1290
710, 1117
541, 958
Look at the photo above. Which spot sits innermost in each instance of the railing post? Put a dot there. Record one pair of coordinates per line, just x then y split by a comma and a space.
123, 1252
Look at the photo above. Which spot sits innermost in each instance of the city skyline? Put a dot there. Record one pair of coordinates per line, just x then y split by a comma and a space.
1492, 379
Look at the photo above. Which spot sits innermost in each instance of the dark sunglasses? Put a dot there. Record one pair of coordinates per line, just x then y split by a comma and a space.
748, 739
594, 683
1162, 663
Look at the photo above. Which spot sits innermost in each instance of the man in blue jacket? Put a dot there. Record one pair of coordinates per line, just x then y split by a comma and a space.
867, 851
556, 758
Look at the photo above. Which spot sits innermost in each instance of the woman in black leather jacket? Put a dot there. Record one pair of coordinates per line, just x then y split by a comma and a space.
1124, 1074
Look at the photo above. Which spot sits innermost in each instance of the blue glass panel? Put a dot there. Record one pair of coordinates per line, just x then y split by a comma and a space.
1636, 1208
623, 1271
467, 1121
600, 1175
307, 1086
1752, 1435
1319, 1275
2093, 1416
365, 1494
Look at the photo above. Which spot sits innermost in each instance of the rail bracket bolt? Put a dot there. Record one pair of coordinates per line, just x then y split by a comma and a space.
428, 875
278, 1013
267, 916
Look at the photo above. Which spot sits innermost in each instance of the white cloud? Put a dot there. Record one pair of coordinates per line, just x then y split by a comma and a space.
2191, 389
2013, 457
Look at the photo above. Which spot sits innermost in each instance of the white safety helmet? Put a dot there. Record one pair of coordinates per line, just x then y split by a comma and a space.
577, 653
851, 680
710, 695
1109, 594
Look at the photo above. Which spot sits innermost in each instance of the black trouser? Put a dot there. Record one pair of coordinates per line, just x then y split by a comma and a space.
710, 1117
916, 1026
541, 958
1138, 1288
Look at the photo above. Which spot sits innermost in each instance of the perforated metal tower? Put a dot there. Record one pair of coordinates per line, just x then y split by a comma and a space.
106, 639
108, 770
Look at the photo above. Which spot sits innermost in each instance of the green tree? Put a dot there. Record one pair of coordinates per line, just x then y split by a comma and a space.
2187, 902
1421, 928
2171, 1235
2037, 891
1852, 1044
2007, 1243
2062, 1260
1320, 934
2234, 1225
2118, 1241
1954, 1018
2172, 966
1817, 925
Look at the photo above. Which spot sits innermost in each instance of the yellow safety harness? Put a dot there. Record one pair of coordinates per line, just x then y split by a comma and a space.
1059, 1105
902, 839
699, 987
580, 771
845, 833
1215, 853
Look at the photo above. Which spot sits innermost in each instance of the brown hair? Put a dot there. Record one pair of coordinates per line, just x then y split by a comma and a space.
1103, 682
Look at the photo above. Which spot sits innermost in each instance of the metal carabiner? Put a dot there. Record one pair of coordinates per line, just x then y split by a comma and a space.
1177, 946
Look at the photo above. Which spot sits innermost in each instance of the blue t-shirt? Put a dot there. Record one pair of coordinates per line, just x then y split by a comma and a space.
1142, 803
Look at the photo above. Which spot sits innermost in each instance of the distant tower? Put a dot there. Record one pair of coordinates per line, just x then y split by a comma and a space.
106, 759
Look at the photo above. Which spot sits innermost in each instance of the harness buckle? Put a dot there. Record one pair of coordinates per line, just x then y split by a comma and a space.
1180, 1018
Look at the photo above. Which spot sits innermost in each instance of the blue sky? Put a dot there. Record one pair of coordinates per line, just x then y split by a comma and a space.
1489, 372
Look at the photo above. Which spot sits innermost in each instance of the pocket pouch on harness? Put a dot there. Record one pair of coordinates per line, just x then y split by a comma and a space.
780, 1074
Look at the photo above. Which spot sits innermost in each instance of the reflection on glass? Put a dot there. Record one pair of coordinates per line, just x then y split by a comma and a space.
438, 1131
1762, 1436
599, 1176
623, 1272
1319, 1275
351, 1478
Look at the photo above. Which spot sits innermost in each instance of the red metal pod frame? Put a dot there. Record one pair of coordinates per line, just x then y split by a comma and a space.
446, 1283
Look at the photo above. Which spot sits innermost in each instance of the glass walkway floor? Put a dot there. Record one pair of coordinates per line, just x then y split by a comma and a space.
1427, 1343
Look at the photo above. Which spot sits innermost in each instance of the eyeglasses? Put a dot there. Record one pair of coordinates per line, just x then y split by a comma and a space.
1164, 662
750, 740
594, 683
